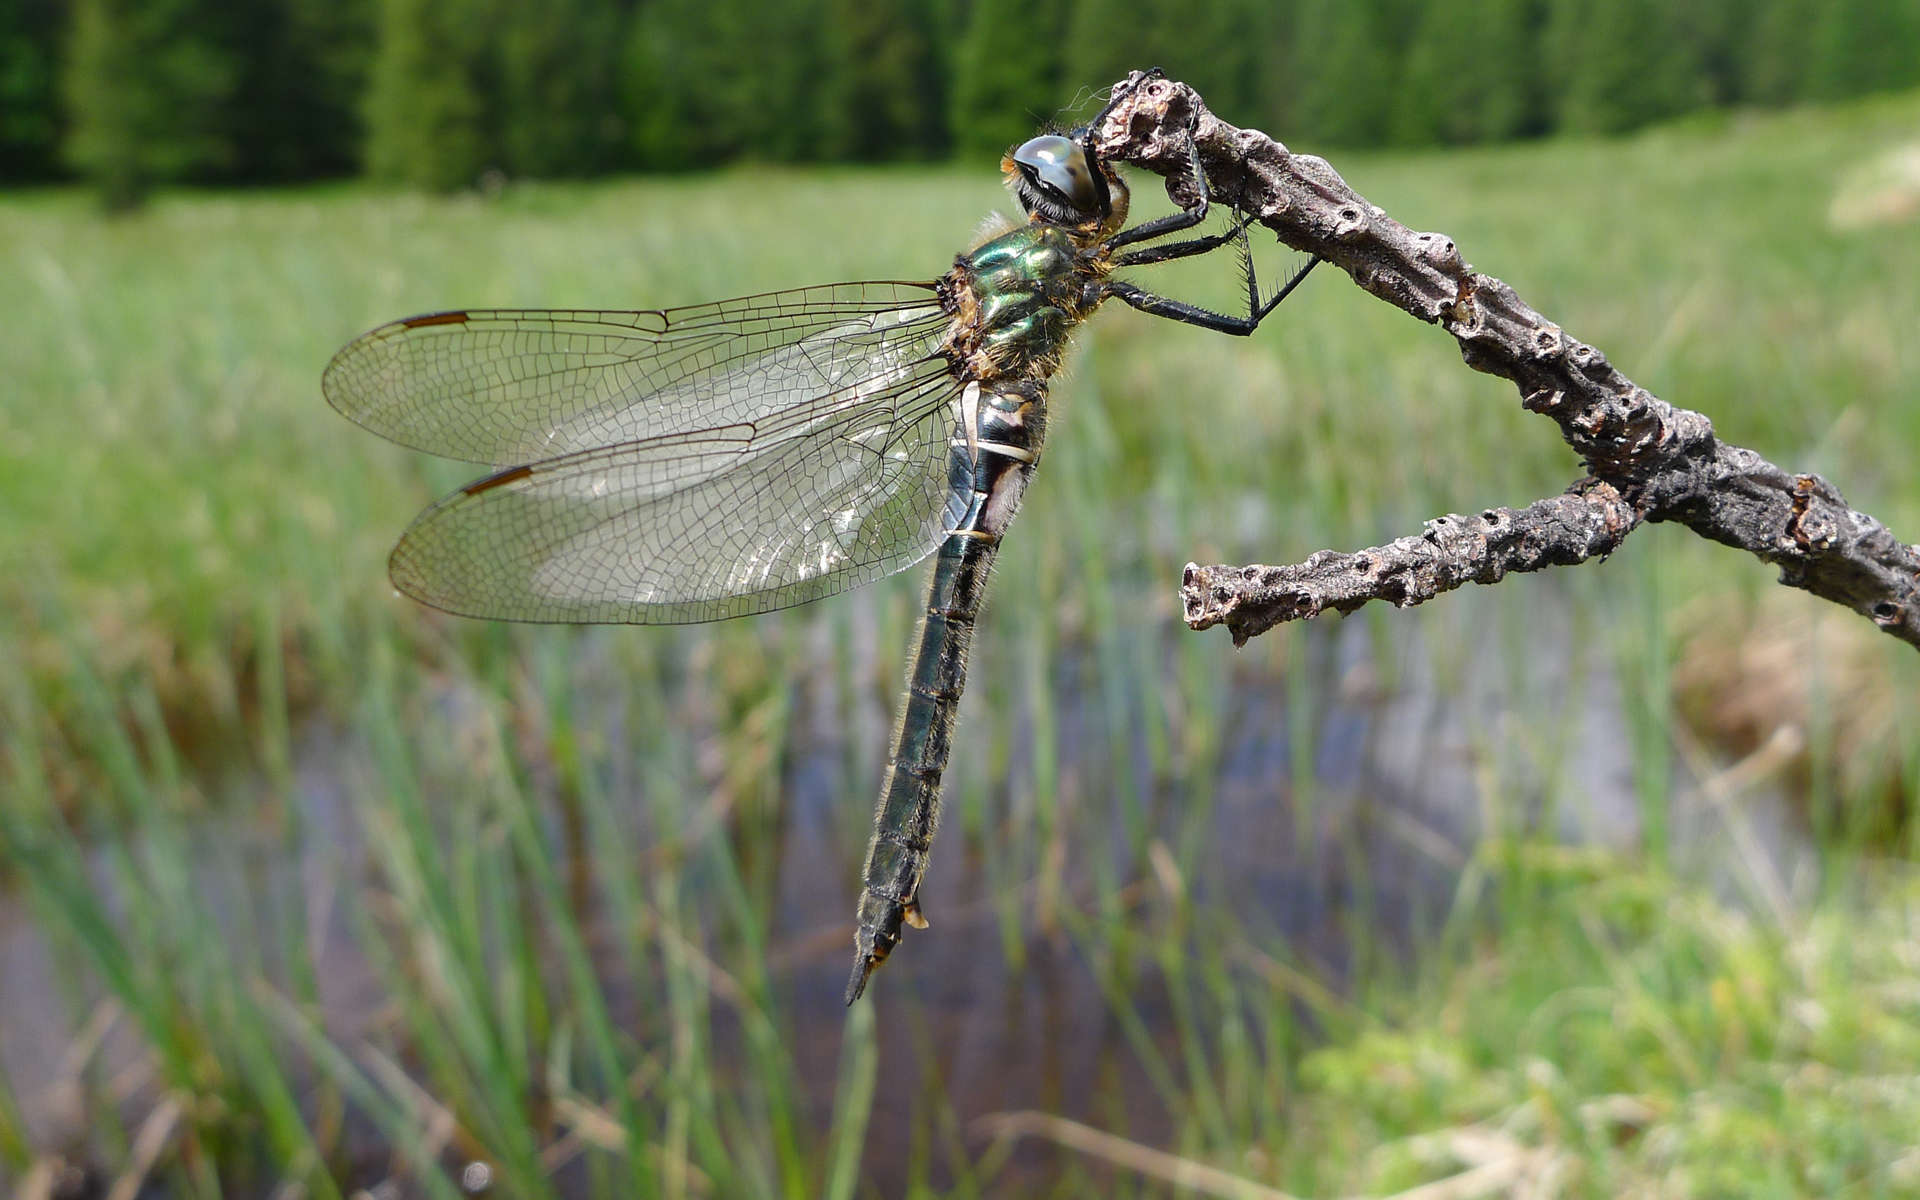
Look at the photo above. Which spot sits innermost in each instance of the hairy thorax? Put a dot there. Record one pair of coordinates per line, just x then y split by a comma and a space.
1016, 298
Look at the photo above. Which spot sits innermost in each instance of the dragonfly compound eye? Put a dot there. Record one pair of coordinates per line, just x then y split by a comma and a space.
1057, 180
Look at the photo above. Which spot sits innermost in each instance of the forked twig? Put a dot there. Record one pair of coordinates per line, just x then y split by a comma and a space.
1646, 460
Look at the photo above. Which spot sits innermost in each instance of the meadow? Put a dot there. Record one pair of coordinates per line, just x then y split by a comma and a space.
1595, 883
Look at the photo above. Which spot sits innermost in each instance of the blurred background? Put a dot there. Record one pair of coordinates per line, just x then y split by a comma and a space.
1597, 882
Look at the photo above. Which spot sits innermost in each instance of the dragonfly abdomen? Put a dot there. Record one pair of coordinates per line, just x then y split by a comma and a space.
990, 465
909, 808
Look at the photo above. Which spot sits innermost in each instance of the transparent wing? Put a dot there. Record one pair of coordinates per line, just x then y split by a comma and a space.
510, 386
841, 489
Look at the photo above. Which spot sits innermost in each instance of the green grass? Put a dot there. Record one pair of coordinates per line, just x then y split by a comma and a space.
564, 867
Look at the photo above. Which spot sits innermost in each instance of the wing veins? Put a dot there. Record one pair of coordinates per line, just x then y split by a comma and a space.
910, 409
539, 374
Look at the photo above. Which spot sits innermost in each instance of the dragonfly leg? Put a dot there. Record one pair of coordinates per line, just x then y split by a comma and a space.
1113, 102
1193, 314
1186, 218
1172, 250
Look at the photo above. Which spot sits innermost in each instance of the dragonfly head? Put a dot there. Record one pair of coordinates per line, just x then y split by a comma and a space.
1057, 179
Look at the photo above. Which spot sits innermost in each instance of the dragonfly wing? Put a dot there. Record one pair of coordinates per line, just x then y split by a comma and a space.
506, 386
722, 522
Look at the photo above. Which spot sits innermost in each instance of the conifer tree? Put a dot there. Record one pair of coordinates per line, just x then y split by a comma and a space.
1006, 73
296, 110
1221, 48
30, 37
425, 115
1618, 64
1345, 71
884, 105
1472, 73
1713, 33
143, 85
1774, 61
1862, 46
556, 105
708, 81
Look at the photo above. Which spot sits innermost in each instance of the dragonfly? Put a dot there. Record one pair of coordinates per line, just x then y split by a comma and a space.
707, 462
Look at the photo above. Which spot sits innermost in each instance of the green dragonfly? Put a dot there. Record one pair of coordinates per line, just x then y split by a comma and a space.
694, 464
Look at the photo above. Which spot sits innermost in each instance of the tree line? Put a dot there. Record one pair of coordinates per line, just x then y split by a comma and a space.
441, 93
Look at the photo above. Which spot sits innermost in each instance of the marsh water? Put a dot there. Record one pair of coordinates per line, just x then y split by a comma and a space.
1348, 796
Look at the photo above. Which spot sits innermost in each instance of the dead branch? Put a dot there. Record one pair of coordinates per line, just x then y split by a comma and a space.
1646, 459
1588, 521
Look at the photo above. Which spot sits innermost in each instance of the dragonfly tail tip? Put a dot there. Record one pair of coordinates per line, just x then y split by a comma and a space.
863, 966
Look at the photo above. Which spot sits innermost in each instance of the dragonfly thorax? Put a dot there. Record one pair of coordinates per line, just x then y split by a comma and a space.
1017, 297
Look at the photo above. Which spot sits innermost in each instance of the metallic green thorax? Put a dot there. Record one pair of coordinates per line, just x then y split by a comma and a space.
1028, 288
1014, 301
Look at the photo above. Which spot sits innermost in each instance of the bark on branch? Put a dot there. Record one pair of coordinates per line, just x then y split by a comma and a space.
1646, 459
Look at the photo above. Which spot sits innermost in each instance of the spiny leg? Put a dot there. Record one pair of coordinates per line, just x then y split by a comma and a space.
1172, 250
1257, 311
1193, 314
1114, 99
1186, 218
